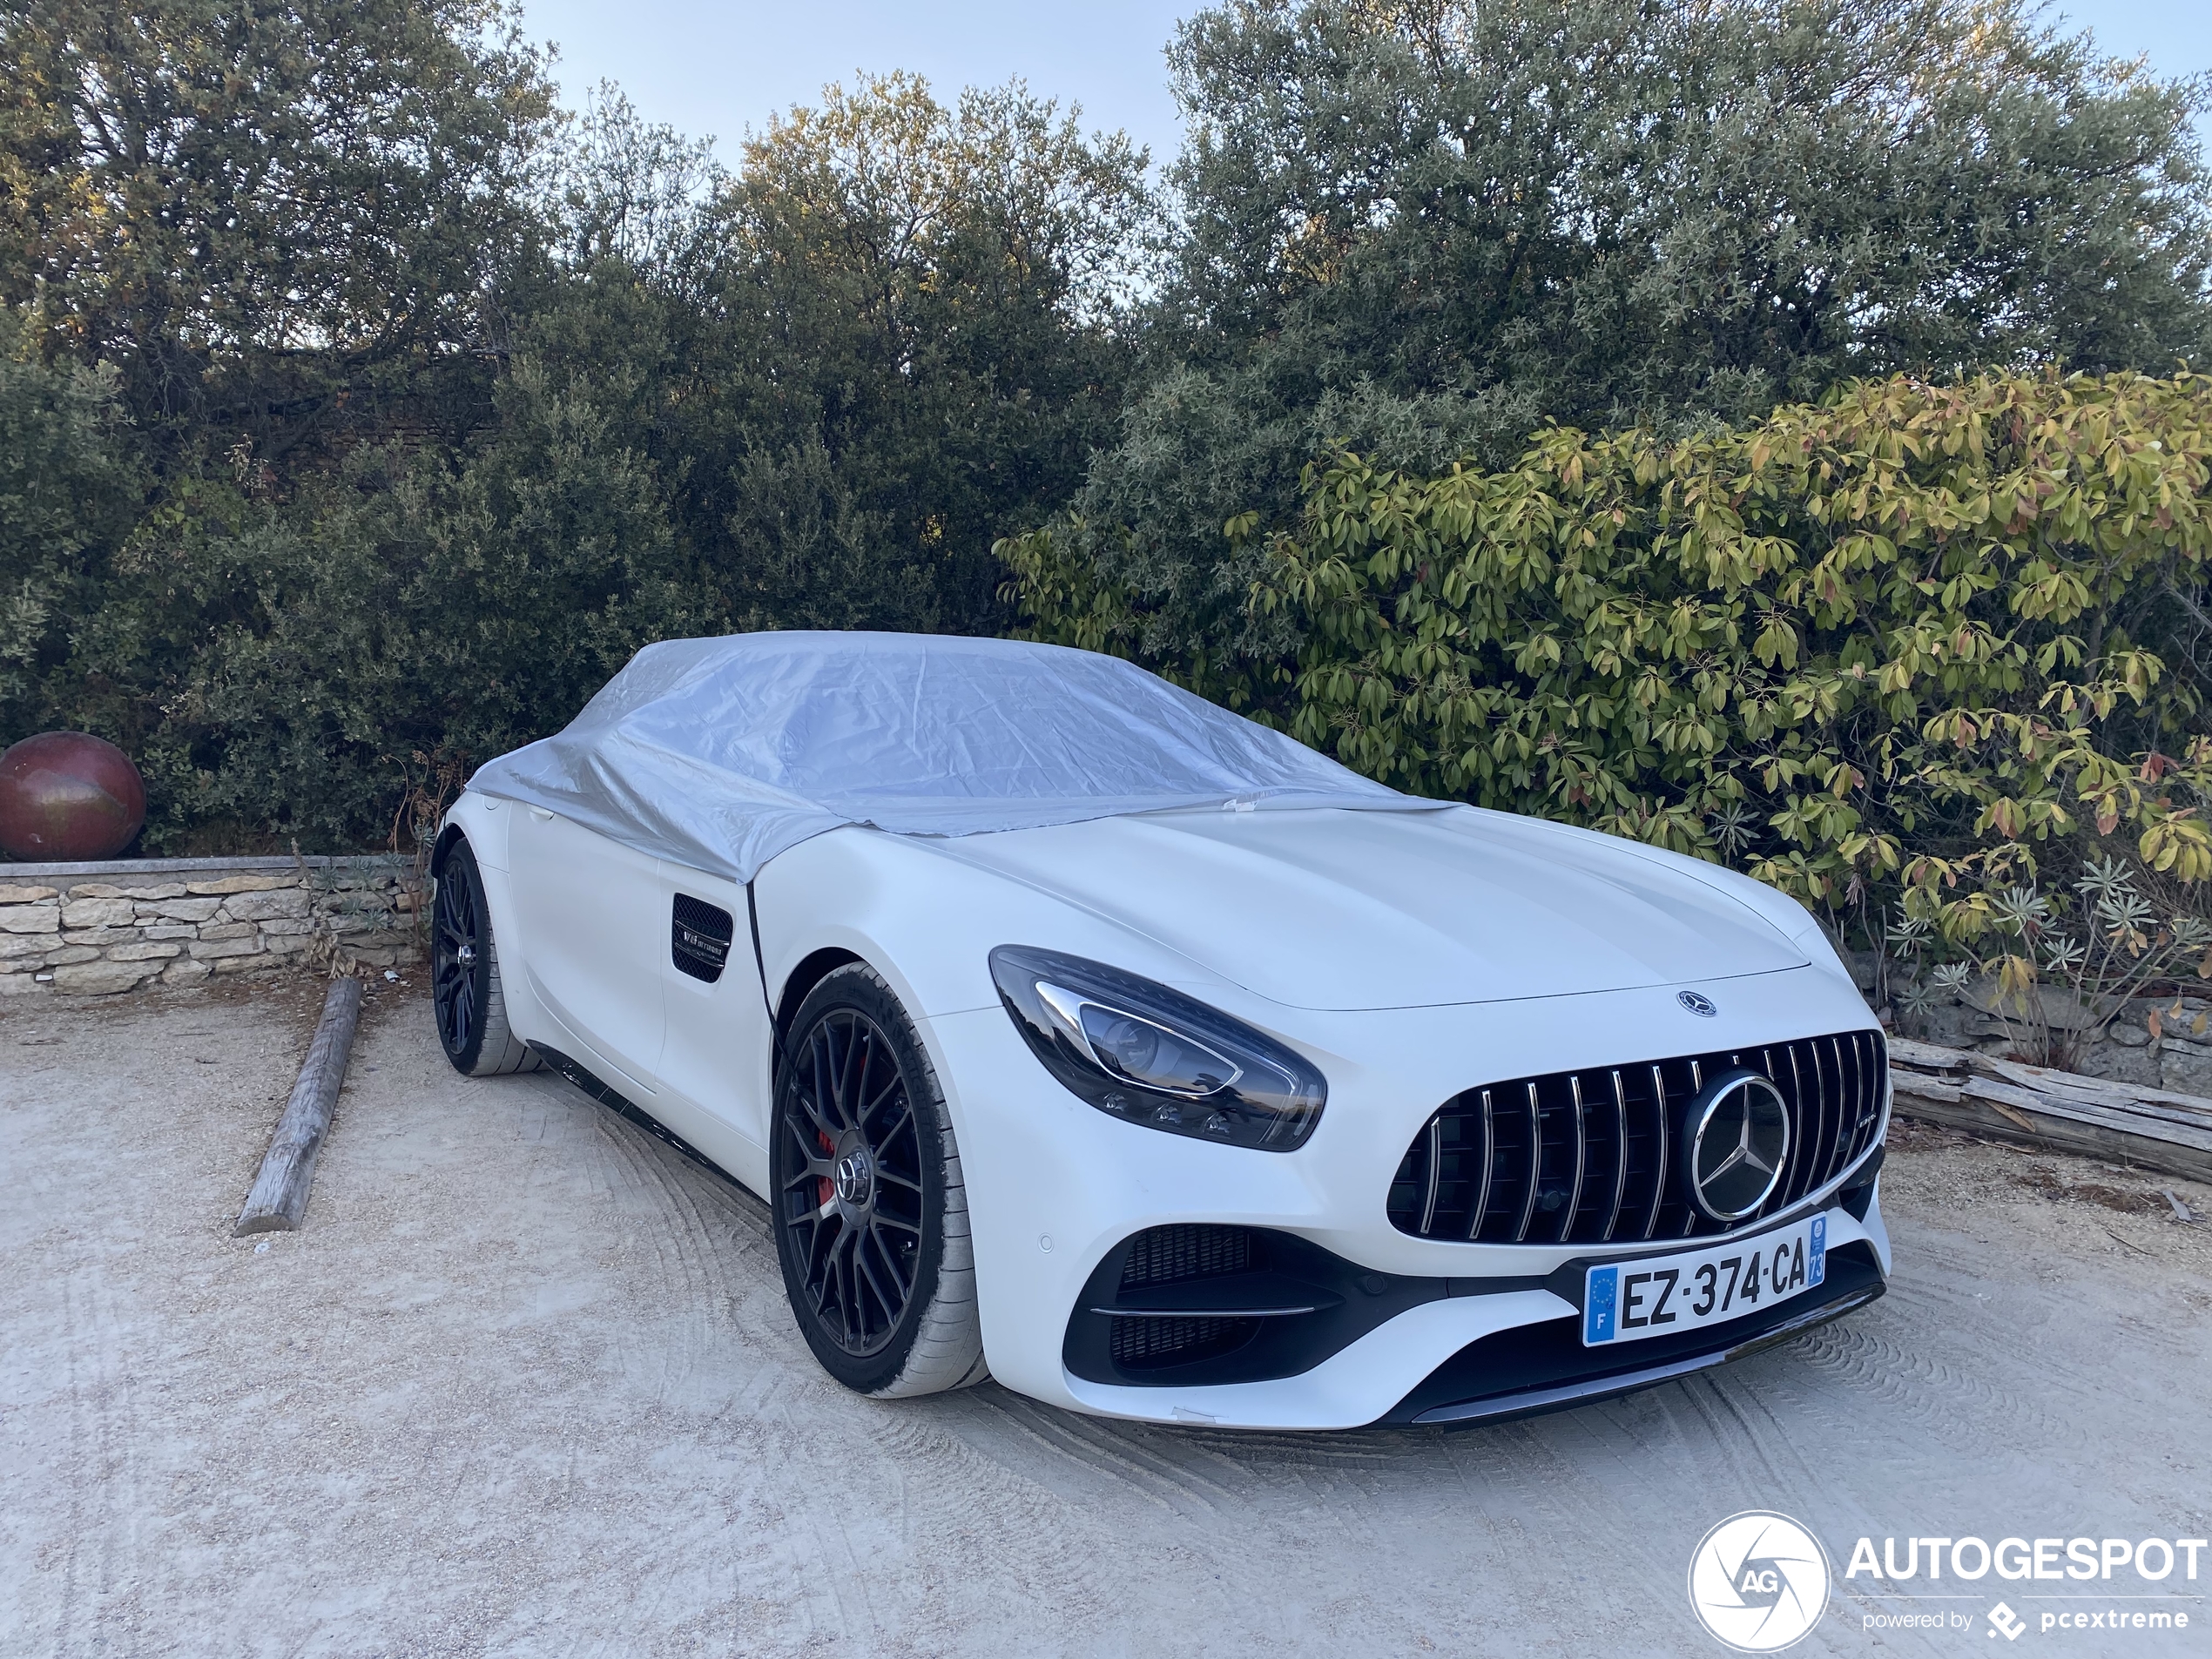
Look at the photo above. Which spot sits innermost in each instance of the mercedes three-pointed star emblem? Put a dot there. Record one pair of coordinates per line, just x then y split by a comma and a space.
1739, 1143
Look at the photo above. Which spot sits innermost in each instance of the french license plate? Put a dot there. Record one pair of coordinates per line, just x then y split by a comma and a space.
1663, 1295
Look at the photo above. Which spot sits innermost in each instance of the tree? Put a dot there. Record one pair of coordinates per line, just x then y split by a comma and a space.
1423, 227
69, 492
412, 493
271, 220
918, 346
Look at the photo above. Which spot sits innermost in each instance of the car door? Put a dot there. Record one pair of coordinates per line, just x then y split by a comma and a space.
593, 931
715, 1058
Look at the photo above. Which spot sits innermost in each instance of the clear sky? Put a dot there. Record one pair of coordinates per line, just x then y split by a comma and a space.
715, 68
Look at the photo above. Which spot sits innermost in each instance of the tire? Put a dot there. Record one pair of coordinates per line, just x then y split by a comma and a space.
871, 1212
465, 991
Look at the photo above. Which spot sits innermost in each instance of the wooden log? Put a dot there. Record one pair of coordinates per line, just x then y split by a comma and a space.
2152, 1129
1927, 1056
2156, 1122
279, 1195
2051, 1133
2099, 1091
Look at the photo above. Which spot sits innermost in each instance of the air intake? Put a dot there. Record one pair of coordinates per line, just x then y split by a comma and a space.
699, 936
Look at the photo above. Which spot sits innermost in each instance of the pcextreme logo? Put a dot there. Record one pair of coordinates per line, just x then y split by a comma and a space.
1758, 1582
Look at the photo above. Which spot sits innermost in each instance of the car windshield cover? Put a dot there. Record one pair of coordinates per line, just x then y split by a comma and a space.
717, 754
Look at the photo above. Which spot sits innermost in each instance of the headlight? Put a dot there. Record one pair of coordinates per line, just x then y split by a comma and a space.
1155, 1056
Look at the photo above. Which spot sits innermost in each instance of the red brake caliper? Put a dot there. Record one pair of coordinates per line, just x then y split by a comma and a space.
824, 1187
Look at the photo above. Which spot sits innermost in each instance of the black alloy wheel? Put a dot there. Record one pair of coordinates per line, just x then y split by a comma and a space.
870, 1204
850, 1185
460, 959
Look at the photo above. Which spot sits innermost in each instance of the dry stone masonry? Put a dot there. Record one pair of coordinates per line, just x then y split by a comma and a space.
2162, 1041
99, 929
2159, 1042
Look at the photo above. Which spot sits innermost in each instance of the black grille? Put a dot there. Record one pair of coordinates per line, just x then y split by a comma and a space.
1167, 1255
699, 937
1142, 1345
1174, 1255
1591, 1157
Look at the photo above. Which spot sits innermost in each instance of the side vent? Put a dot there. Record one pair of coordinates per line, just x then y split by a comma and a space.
699, 936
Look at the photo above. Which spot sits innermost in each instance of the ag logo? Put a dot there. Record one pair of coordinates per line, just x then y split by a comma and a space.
1759, 1581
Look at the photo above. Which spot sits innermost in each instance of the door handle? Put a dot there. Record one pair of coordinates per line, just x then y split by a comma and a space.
540, 813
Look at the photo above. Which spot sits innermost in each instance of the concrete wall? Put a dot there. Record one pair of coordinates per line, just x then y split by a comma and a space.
99, 929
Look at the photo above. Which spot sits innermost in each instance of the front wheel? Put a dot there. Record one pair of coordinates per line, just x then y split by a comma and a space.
464, 975
871, 1212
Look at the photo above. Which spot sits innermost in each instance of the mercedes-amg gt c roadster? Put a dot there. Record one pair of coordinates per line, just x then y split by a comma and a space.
1084, 1036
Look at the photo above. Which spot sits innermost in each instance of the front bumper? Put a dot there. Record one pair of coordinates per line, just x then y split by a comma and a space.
1482, 1355
1054, 1188
1520, 1372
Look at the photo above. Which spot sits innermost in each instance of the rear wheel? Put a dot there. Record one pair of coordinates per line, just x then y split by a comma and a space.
871, 1210
464, 975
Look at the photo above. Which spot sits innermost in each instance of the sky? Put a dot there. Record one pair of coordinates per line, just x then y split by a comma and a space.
713, 69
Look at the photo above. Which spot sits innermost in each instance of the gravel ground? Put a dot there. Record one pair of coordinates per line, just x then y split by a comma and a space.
526, 1384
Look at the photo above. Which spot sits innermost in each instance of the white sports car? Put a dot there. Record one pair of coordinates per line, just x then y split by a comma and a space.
1085, 1036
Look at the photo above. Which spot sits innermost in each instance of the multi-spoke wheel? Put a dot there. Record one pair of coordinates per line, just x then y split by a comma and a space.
464, 974
871, 1214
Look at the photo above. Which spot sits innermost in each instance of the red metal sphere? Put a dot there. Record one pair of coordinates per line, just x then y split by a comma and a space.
69, 797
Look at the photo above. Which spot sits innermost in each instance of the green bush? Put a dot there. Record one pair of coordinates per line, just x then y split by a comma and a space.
1899, 650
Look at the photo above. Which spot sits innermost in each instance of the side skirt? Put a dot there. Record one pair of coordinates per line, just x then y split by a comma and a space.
623, 1106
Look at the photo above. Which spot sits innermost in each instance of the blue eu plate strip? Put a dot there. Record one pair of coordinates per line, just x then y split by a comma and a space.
1604, 1293
1817, 1267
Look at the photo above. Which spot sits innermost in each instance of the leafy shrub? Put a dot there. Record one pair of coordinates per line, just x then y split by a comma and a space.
1904, 650
2053, 987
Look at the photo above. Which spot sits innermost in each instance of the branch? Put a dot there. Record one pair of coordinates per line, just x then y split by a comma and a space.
2196, 611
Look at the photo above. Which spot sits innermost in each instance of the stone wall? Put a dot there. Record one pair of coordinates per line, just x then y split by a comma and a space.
2158, 1042
99, 929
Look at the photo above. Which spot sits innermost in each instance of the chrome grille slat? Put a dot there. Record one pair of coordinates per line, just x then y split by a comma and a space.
1870, 1096
1536, 1163
1620, 1157
1876, 1098
1835, 1143
1820, 1140
1793, 1181
1790, 1161
1834, 1063
1582, 1156
1800, 1154
1435, 1172
1816, 1131
1846, 1103
1468, 1176
1663, 1133
1480, 1204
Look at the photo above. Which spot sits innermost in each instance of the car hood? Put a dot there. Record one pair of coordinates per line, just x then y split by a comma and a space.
1348, 910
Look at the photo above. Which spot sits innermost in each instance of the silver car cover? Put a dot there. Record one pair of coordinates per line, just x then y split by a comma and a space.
717, 754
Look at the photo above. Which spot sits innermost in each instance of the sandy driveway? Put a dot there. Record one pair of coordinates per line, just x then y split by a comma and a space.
526, 1384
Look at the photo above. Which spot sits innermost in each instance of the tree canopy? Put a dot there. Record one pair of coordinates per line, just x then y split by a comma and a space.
1421, 228
369, 406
